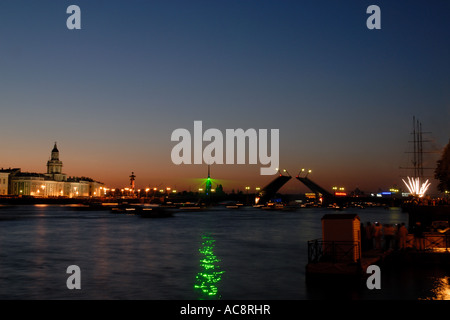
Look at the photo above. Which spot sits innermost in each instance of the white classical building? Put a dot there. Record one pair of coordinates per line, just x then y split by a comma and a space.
54, 183
4, 183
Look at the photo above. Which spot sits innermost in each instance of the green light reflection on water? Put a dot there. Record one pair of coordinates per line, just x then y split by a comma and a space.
210, 274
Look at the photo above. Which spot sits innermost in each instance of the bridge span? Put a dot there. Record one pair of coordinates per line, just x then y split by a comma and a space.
269, 191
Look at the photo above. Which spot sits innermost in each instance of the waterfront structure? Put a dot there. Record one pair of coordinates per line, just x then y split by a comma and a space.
132, 180
4, 183
208, 183
54, 183
267, 193
344, 230
54, 166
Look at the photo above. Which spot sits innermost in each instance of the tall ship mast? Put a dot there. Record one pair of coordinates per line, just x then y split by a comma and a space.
417, 162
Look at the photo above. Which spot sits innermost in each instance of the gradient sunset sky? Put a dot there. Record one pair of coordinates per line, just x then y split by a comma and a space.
110, 94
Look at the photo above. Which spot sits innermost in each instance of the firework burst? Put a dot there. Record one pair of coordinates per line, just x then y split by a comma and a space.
415, 188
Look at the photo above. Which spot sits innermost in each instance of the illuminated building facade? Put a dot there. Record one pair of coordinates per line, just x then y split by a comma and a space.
4, 183
54, 183
54, 166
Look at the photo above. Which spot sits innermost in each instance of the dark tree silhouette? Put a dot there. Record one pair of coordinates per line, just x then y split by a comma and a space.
442, 172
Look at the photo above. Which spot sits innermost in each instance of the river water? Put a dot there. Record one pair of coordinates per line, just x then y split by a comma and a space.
251, 254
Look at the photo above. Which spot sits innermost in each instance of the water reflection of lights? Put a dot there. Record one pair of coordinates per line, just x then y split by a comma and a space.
210, 274
441, 289
41, 211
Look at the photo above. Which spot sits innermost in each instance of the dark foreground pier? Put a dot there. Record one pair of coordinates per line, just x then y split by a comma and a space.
339, 255
326, 270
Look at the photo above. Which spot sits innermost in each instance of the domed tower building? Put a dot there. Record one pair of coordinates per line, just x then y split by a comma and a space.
54, 166
54, 183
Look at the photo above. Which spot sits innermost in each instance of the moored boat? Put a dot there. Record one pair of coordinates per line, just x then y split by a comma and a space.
153, 212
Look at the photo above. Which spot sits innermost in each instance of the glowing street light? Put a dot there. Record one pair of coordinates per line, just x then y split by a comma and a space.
309, 171
303, 171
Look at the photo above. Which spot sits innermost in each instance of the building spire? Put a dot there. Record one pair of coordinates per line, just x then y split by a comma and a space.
54, 165
208, 182
132, 179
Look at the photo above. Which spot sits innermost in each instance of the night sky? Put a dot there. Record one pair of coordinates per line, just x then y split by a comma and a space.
110, 94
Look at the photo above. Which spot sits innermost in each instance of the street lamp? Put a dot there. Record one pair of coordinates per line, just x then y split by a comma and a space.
301, 172
309, 171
